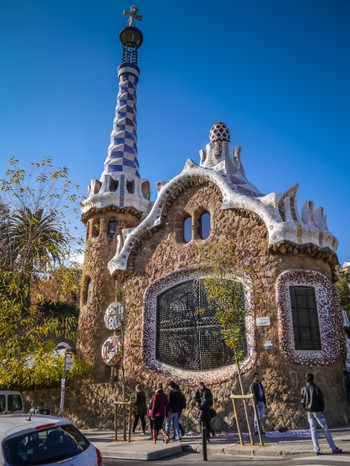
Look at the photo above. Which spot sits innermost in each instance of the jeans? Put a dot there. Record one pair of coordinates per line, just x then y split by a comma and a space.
173, 417
261, 409
318, 417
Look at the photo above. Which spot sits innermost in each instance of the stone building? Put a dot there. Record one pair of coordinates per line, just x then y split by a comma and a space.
142, 254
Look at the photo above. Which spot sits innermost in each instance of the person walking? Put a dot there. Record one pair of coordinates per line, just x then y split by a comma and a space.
257, 389
140, 409
183, 406
175, 406
313, 403
159, 411
204, 398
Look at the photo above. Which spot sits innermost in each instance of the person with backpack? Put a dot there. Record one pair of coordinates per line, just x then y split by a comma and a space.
183, 406
175, 406
204, 398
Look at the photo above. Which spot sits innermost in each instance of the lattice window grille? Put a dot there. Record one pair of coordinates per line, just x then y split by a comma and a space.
186, 337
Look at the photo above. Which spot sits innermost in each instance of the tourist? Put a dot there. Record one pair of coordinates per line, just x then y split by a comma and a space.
175, 406
183, 406
159, 411
312, 400
140, 409
204, 398
257, 389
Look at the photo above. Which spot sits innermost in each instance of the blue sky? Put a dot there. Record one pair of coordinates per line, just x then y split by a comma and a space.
275, 71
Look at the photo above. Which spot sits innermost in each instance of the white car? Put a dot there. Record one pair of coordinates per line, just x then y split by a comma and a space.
33, 439
11, 402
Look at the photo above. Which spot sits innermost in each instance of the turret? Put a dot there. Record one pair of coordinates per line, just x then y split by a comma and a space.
118, 200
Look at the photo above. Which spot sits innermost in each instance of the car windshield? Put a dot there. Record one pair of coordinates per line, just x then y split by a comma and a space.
44, 446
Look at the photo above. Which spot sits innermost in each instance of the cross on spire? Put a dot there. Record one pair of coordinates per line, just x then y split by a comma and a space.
132, 15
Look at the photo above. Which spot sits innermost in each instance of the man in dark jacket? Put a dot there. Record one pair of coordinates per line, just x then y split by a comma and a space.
175, 407
257, 389
183, 406
204, 398
312, 400
140, 409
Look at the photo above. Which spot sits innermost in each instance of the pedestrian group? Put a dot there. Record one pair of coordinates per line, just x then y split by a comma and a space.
165, 410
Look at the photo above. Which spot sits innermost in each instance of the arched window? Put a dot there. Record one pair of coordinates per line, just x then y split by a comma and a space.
305, 318
95, 231
204, 225
130, 186
187, 229
188, 331
112, 224
145, 188
88, 291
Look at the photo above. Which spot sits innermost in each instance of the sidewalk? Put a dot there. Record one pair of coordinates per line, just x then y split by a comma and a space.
276, 444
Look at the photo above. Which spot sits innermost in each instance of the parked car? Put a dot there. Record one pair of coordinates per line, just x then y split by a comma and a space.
11, 401
33, 439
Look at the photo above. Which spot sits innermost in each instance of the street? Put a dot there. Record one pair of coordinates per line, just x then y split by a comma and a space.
222, 460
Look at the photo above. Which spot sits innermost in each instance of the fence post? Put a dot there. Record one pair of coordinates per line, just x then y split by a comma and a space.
204, 441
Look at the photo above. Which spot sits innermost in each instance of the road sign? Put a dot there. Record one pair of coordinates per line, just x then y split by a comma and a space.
69, 361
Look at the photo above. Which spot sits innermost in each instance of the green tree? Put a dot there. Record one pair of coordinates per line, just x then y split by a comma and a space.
38, 209
342, 286
28, 358
4, 236
36, 241
39, 221
226, 295
58, 295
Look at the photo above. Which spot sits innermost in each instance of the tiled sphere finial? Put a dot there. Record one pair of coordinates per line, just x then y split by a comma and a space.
219, 132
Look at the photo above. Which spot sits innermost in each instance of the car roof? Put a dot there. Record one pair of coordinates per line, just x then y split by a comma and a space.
12, 423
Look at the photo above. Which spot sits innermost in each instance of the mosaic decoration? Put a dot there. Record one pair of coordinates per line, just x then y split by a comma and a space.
114, 316
219, 132
347, 359
112, 350
120, 183
327, 317
149, 334
122, 152
278, 211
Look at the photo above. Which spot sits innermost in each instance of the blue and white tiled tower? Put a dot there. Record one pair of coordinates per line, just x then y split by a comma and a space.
120, 183
118, 201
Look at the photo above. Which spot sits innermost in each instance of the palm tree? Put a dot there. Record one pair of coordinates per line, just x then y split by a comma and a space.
37, 241
5, 256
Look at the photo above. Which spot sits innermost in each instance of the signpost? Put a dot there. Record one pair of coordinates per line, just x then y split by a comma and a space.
67, 366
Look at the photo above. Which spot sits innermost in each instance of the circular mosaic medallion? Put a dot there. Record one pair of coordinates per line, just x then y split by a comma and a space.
114, 316
112, 350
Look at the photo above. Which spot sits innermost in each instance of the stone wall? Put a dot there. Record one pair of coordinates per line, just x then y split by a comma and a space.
164, 252
100, 248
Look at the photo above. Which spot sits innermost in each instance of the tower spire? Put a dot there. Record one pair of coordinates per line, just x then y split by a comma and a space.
122, 151
120, 182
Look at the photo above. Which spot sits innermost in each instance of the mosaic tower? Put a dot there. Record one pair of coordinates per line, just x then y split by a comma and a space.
118, 200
